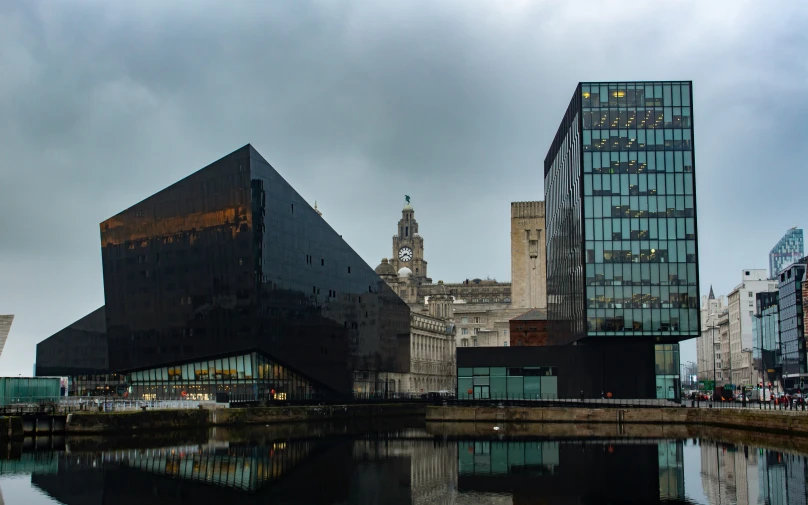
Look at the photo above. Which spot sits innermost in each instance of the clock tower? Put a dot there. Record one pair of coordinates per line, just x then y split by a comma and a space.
408, 247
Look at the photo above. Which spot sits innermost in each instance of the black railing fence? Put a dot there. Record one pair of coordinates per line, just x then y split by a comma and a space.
71, 404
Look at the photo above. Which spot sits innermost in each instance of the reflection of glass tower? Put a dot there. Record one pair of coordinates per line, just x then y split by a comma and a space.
671, 470
614, 472
787, 250
783, 478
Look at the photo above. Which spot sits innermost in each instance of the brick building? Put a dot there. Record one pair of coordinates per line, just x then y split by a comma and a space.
529, 329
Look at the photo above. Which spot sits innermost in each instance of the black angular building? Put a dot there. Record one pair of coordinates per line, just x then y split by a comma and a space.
80, 352
229, 282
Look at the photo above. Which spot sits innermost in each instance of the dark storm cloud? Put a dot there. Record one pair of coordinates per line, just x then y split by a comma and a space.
356, 104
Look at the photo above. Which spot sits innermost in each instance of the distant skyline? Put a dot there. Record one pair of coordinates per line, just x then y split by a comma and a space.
357, 104
788, 249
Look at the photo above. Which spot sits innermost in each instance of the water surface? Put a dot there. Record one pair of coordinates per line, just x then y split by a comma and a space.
408, 462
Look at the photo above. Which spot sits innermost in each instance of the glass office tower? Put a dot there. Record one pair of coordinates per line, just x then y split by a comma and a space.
767, 352
621, 217
789, 249
792, 324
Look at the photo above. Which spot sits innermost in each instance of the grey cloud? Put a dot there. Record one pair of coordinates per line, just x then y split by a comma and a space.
357, 103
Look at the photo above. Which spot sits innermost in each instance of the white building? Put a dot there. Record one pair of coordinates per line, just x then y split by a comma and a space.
708, 345
741, 303
5, 327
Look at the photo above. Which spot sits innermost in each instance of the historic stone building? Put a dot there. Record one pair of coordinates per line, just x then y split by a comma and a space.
432, 333
480, 309
408, 248
528, 255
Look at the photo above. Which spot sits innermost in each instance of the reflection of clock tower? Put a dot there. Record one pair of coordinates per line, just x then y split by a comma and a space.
408, 247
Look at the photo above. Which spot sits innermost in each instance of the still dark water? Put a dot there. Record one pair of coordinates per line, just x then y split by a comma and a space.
407, 462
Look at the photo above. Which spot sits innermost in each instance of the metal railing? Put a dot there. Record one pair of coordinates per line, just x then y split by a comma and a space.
793, 405
105, 404
558, 401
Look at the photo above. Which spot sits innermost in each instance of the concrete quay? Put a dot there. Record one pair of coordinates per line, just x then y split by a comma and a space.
792, 422
161, 420
85, 423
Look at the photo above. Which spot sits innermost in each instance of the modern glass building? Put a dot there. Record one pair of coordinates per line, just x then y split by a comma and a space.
792, 325
767, 352
632, 370
79, 352
789, 249
229, 282
621, 218
5, 328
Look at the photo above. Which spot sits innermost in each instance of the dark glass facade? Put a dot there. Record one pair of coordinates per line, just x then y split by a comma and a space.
79, 352
767, 352
78, 349
231, 261
792, 324
564, 227
788, 249
631, 370
621, 229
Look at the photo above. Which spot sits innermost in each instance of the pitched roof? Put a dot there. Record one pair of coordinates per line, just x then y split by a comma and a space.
532, 315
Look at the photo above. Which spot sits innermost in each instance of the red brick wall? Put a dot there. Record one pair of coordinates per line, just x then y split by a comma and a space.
532, 333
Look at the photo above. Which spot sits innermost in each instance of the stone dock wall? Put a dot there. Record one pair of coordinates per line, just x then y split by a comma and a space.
795, 422
153, 420
786, 422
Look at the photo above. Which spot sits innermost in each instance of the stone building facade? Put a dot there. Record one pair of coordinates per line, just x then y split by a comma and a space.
432, 357
477, 310
5, 328
741, 303
708, 345
528, 255
723, 362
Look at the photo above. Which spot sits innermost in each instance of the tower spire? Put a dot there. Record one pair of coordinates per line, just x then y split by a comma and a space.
712, 295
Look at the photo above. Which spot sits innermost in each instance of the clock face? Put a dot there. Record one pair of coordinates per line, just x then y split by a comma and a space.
405, 254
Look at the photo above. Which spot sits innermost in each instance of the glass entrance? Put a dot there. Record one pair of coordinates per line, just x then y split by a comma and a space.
481, 392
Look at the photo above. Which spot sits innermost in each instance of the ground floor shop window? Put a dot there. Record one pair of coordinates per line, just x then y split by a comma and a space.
243, 377
513, 383
666, 367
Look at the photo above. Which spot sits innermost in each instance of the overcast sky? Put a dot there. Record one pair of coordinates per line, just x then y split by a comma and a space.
357, 103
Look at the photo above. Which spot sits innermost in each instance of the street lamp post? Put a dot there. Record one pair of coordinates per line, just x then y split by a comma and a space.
715, 380
764, 370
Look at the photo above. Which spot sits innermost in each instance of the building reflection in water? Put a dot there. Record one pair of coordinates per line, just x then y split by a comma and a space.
783, 478
574, 471
405, 468
743, 475
412, 467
